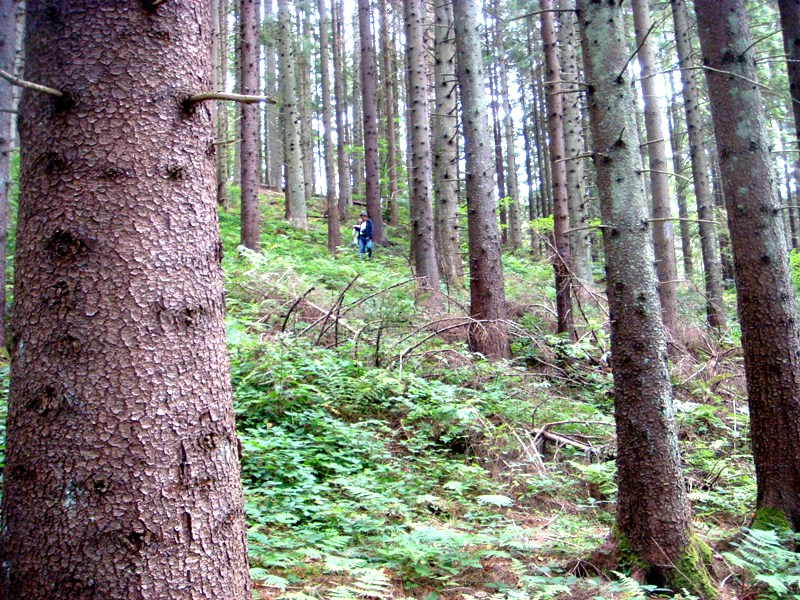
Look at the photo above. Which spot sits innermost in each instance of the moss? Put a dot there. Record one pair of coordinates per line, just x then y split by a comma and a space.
692, 569
771, 519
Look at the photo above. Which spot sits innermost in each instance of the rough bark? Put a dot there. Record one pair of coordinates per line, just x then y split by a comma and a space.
489, 335
339, 87
498, 148
357, 138
533, 182
663, 236
790, 25
248, 30
445, 152
580, 244
295, 177
369, 101
709, 244
388, 95
334, 236
274, 141
8, 26
555, 126
678, 166
305, 97
653, 515
789, 207
770, 336
121, 476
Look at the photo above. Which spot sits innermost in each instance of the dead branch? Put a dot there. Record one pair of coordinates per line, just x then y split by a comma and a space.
29, 85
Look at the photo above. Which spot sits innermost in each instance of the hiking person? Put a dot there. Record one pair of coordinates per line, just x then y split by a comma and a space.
365, 236
357, 232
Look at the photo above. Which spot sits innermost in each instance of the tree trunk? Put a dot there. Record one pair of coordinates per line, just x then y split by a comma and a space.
339, 87
678, 164
789, 208
489, 335
388, 91
420, 178
248, 30
357, 153
8, 31
534, 183
305, 97
663, 236
334, 236
445, 153
369, 96
709, 244
653, 514
121, 476
237, 88
555, 126
770, 337
580, 243
498, 150
295, 177
274, 142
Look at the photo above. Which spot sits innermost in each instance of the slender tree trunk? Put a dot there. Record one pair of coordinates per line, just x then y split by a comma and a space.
579, 237
555, 125
334, 236
369, 95
489, 335
295, 182
8, 25
533, 182
248, 28
770, 336
445, 154
498, 153
663, 236
709, 244
121, 474
653, 514
678, 164
339, 87
274, 146
420, 178
237, 88
388, 90
357, 154
305, 98
789, 208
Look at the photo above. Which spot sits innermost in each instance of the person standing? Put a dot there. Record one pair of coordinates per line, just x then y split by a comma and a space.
365, 236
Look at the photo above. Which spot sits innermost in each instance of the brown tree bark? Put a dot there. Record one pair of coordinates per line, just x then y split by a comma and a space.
369, 96
334, 236
445, 152
420, 177
388, 96
653, 514
305, 96
121, 476
663, 236
248, 30
678, 166
709, 244
489, 335
274, 141
339, 87
770, 336
555, 126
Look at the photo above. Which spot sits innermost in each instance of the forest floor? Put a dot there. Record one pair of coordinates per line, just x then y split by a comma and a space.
381, 459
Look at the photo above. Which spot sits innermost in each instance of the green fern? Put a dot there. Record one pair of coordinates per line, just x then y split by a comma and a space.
763, 558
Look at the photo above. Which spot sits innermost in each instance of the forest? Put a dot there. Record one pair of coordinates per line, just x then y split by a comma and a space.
399, 299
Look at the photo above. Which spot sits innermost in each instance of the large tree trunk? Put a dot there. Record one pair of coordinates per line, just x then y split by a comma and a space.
121, 477
274, 141
770, 337
388, 95
653, 515
663, 236
445, 152
489, 335
327, 117
709, 244
8, 26
369, 96
248, 28
295, 178
420, 178
555, 125
339, 87
580, 243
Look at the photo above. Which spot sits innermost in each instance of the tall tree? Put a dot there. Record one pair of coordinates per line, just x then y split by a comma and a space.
555, 126
420, 177
709, 245
676, 134
663, 236
388, 94
327, 118
248, 30
8, 25
445, 151
274, 141
121, 476
489, 335
653, 515
369, 95
219, 16
579, 237
295, 179
770, 335
790, 27
339, 87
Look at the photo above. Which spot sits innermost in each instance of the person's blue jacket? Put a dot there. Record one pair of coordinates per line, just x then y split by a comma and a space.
366, 233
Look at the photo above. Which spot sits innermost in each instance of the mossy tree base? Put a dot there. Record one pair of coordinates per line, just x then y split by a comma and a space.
771, 519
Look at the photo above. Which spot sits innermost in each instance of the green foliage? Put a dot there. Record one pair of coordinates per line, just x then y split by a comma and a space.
766, 562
